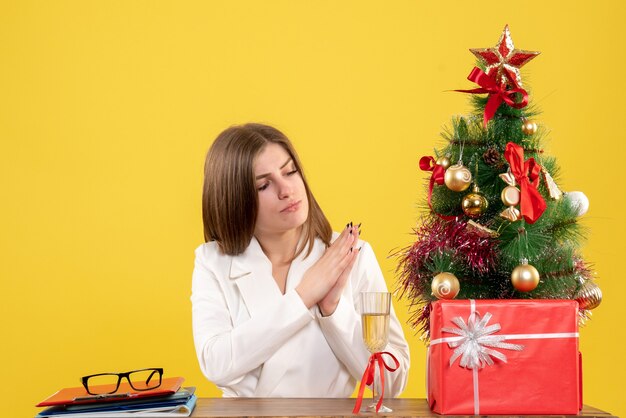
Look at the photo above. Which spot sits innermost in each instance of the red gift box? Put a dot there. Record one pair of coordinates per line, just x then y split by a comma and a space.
508, 357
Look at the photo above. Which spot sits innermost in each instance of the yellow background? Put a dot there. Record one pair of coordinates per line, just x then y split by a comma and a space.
108, 107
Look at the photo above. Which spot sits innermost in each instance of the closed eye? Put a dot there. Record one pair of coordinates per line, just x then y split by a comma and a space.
267, 184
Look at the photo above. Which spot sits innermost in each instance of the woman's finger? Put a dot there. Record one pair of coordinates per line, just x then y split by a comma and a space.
348, 269
346, 258
353, 251
343, 242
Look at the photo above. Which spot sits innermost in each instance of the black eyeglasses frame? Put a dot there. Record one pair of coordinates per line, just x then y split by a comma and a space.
85, 379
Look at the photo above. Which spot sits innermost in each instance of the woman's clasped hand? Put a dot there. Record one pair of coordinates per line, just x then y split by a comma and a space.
324, 282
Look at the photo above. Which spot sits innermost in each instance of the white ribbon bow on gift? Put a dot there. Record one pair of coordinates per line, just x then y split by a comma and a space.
476, 342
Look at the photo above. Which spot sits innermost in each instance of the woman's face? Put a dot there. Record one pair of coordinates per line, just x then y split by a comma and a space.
283, 204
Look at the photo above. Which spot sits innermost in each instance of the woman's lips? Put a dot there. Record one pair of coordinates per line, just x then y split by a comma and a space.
292, 207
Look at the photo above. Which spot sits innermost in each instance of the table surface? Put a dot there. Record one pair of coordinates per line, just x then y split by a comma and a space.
308, 407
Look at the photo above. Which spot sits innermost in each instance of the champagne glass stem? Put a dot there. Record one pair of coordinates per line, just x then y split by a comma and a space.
376, 391
375, 394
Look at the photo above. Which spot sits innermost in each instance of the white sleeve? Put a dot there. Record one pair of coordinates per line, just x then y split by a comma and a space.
344, 333
225, 352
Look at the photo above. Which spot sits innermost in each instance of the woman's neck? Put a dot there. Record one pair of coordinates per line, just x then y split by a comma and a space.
279, 248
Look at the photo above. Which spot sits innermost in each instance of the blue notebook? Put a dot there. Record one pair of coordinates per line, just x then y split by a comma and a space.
180, 404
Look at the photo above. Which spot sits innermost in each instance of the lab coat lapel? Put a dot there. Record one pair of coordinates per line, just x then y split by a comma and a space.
252, 272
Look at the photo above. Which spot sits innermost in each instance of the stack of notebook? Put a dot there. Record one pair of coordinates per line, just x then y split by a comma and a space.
168, 400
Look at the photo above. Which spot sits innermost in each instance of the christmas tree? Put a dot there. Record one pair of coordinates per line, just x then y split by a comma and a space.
498, 226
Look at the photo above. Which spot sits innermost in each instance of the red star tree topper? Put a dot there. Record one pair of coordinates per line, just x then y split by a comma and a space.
503, 61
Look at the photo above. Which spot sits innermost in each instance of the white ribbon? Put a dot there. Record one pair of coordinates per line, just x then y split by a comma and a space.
477, 342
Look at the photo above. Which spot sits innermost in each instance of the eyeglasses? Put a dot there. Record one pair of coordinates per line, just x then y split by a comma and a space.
105, 383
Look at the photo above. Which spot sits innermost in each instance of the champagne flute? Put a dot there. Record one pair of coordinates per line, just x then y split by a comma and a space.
375, 319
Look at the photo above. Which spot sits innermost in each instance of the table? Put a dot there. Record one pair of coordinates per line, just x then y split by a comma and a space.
307, 407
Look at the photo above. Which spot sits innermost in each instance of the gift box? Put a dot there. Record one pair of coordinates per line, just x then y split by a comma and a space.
514, 357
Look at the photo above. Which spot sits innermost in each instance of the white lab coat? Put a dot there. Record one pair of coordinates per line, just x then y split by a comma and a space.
251, 340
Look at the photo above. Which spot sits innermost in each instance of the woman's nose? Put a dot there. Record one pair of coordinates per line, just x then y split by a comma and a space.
284, 190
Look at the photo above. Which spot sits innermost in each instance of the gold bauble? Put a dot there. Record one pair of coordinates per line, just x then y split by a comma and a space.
510, 196
443, 161
457, 178
589, 296
525, 277
529, 127
474, 204
445, 286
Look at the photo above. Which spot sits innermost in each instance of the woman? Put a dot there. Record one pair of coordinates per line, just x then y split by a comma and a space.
275, 293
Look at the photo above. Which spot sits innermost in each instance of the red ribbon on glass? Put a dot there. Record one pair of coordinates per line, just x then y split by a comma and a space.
428, 163
497, 93
526, 174
368, 377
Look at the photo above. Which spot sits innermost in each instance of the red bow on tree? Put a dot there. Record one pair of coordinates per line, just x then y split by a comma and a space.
368, 377
428, 163
497, 93
526, 174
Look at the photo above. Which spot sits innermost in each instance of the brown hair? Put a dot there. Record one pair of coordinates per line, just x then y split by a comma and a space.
229, 195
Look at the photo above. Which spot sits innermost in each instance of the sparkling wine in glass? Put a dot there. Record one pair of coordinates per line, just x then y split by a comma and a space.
375, 320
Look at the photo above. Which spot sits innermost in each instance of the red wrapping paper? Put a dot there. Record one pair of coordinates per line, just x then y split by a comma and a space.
543, 378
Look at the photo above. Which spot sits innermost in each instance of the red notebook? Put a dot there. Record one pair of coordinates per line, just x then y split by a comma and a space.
78, 395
